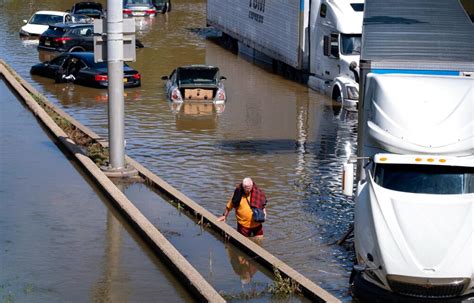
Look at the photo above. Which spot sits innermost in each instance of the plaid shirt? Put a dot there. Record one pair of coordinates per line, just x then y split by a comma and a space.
257, 197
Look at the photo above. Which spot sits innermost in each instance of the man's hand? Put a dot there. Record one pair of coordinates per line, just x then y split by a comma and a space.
222, 218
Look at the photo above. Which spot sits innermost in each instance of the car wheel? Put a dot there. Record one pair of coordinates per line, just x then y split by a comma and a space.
77, 49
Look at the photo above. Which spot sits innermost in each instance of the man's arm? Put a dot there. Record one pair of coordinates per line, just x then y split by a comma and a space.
224, 215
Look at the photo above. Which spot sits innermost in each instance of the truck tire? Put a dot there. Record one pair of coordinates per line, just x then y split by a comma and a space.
336, 95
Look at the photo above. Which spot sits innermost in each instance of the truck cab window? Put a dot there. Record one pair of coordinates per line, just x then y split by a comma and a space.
425, 179
323, 10
335, 45
350, 44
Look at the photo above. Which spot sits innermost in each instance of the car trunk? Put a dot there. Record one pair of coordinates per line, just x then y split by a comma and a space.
201, 93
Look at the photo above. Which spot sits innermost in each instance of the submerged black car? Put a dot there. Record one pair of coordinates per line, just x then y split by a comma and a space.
80, 68
70, 37
91, 9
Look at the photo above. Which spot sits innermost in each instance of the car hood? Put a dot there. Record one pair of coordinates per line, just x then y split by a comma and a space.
35, 29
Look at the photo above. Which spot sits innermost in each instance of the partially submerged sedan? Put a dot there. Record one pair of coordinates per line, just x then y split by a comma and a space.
80, 68
201, 83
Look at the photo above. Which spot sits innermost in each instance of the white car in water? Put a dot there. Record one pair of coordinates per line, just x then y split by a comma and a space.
40, 22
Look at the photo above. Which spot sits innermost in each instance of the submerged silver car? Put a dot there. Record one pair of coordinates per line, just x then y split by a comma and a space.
202, 83
139, 8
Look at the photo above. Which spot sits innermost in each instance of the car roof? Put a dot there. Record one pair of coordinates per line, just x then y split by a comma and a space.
54, 13
72, 25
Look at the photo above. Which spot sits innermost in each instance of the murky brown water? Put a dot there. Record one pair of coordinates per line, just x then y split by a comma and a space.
285, 136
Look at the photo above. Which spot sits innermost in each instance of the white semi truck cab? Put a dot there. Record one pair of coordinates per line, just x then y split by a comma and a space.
414, 203
335, 45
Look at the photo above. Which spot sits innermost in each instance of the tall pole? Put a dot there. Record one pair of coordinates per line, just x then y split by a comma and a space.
115, 87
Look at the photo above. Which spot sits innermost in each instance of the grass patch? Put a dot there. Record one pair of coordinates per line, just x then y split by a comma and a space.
283, 287
94, 150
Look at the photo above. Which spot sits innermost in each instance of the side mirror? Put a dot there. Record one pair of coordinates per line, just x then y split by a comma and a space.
164, 78
347, 179
223, 78
25, 21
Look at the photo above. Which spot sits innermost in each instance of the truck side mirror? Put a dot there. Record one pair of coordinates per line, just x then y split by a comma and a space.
327, 46
164, 78
347, 179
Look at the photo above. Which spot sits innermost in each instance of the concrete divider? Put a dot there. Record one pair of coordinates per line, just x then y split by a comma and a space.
309, 288
190, 277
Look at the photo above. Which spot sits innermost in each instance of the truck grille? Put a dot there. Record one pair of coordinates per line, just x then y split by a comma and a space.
428, 287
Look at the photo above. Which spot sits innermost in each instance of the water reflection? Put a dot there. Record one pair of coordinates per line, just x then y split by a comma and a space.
196, 115
242, 265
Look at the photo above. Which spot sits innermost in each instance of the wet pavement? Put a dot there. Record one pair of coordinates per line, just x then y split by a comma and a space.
290, 139
60, 239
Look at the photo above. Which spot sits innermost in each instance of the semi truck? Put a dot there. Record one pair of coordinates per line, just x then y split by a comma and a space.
414, 200
313, 41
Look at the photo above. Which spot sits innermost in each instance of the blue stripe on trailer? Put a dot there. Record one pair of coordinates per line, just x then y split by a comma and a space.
417, 72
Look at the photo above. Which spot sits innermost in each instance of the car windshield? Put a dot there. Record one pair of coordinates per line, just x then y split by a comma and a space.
425, 179
350, 44
86, 11
190, 76
43, 19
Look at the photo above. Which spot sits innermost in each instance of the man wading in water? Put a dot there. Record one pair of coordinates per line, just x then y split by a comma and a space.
247, 196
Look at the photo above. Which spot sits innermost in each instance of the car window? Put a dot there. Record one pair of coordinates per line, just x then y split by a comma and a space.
58, 60
200, 75
67, 18
173, 76
83, 31
43, 19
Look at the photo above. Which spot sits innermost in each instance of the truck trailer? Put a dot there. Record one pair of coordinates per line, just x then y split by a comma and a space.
314, 41
414, 203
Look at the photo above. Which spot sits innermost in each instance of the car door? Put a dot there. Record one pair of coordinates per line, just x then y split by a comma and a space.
54, 66
83, 74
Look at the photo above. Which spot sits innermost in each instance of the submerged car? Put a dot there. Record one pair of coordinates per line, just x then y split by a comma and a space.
70, 37
91, 9
145, 8
80, 68
40, 22
201, 83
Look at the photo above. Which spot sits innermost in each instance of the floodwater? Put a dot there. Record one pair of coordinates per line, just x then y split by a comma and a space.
291, 140
60, 240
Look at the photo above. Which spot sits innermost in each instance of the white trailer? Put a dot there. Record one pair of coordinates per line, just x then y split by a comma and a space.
314, 41
414, 208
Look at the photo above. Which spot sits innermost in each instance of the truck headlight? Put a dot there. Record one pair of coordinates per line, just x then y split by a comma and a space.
352, 93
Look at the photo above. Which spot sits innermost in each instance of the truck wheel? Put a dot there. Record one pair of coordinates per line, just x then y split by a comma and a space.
336, 95
77, 49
